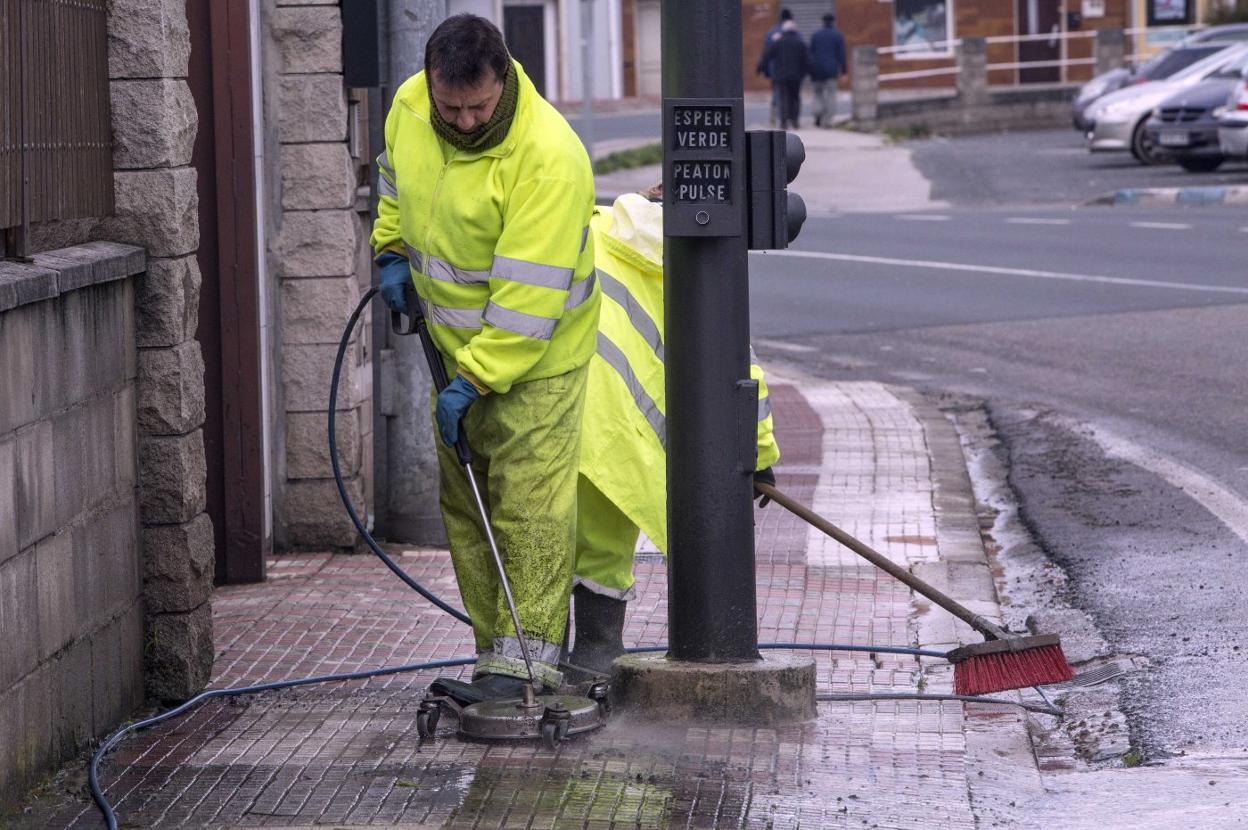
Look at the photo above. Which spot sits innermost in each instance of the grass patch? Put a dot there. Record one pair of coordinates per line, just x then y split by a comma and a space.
1133, 758
909, 132
643, 156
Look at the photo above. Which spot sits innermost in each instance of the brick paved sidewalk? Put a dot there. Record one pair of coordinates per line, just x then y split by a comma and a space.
872, 459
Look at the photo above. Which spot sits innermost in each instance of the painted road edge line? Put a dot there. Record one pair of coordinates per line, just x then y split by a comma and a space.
1227, 507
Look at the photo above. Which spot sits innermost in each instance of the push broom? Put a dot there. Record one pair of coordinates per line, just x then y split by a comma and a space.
1003, 661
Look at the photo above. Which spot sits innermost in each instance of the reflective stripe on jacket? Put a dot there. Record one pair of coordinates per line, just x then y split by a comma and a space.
498, 241
624, 431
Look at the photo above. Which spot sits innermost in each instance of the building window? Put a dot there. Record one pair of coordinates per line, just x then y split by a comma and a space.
1169, 12
922, 28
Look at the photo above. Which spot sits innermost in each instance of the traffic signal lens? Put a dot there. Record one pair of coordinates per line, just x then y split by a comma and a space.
794, 157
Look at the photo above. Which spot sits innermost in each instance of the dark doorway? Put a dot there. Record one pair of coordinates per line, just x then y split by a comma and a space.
229, 322
524, 29
1040, 17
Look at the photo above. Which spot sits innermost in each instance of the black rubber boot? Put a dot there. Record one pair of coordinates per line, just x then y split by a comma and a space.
485, 687
599, 634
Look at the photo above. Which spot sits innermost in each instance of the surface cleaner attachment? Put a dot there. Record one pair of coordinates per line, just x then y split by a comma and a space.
553, 718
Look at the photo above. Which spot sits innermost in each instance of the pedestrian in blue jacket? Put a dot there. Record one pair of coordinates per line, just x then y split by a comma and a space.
768, 68
789, 57
827, 64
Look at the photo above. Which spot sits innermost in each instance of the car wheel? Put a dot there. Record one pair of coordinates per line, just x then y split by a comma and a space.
1201, 164
1142, 147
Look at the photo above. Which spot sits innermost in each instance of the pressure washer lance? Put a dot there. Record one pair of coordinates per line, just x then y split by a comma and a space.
437, 371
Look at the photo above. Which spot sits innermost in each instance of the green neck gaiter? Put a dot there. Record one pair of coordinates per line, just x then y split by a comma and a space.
489, 134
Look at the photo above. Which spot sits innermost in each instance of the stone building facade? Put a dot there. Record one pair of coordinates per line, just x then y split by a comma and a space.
108, 545
320, 262
155, 125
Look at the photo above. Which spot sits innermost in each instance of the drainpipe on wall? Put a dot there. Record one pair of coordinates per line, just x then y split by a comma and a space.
262, 265
587, 76
406, 464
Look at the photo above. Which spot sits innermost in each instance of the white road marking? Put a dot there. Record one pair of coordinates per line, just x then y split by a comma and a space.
1035, 220
937, 265
781, 346
1162, 226
1227, 507
923, 217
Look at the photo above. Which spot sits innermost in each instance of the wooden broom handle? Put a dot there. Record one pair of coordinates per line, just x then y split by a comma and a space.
975, 621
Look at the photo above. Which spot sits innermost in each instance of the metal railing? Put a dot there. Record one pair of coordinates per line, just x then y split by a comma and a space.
940, 46
56, 159
945, 50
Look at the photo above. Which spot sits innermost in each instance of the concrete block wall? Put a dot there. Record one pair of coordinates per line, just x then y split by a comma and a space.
318, 254
154, 129
71, 591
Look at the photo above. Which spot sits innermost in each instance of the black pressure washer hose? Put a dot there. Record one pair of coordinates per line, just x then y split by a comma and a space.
93, 777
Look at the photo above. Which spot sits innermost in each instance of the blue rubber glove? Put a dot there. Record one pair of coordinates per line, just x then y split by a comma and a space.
395, 274
453, 402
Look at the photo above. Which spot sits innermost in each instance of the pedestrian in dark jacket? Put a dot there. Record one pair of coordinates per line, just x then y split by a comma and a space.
827, 64
767, 68
789, 59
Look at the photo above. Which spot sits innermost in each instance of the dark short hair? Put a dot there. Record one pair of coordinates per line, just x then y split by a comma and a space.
786, 14
463, 47
828, 18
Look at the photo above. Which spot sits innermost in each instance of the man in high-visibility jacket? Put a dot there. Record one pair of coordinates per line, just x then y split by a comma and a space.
622, 488
486, 195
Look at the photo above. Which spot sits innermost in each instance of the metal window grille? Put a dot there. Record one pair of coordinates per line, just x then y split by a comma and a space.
56, 159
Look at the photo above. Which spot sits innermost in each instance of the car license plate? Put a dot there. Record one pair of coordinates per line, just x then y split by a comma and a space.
1174, 138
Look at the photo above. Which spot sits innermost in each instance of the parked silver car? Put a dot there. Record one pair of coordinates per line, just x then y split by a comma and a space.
1233, 122
1159, 67
1184, 128
1118, 119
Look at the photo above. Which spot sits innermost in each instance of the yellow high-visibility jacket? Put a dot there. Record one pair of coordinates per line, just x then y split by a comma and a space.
623, 435
498, 241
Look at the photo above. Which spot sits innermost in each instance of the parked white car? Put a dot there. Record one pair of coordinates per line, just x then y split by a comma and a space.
1233, 123
1117, 119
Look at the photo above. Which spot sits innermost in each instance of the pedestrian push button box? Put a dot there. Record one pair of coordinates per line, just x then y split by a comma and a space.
703, 167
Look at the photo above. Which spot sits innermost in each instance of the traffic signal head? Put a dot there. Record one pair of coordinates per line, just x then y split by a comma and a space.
775, 215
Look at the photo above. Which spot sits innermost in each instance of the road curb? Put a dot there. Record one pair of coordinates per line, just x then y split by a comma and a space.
1000, 754
1176, 196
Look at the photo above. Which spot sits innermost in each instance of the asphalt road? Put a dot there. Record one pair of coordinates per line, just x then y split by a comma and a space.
1043, 167
1128, 321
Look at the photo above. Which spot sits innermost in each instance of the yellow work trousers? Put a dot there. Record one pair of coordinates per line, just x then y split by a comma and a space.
606, 541
525, 454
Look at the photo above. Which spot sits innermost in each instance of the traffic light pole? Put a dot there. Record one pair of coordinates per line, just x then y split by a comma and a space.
711, 403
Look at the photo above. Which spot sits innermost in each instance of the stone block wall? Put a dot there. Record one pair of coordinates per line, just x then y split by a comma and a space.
154, 128
71, 580
318, 254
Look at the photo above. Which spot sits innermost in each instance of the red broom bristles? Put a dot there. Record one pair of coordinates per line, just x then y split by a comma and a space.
985, 673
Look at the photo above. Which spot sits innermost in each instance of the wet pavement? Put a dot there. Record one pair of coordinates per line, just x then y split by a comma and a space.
875, 460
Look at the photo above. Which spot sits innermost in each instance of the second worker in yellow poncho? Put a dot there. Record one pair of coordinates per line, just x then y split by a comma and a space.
622, 487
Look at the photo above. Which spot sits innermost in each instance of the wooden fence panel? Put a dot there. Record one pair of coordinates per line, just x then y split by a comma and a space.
56, 159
